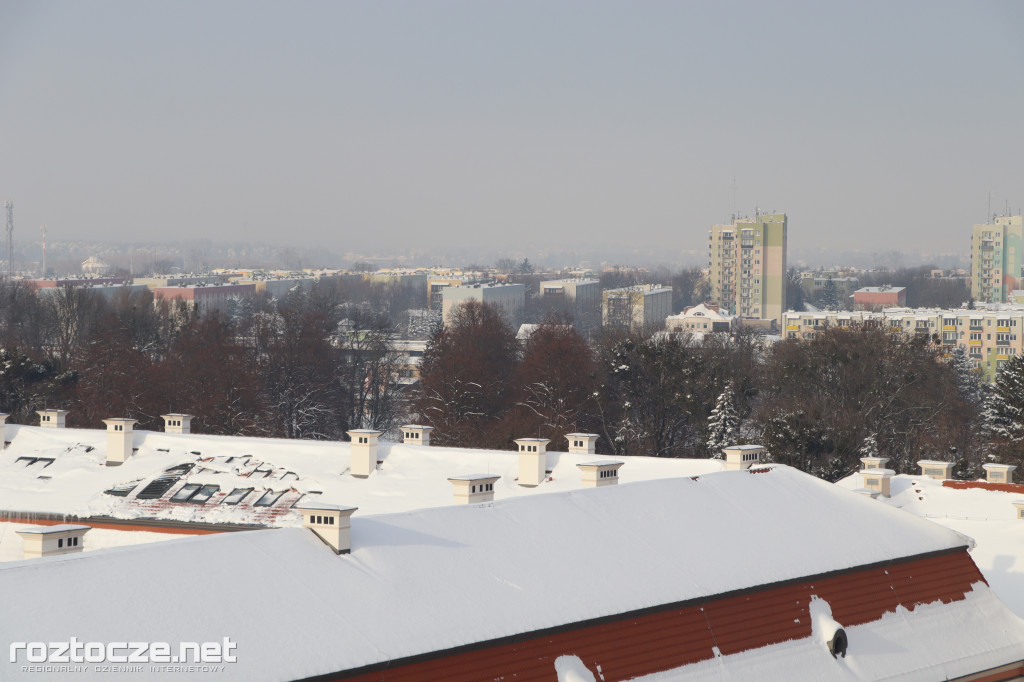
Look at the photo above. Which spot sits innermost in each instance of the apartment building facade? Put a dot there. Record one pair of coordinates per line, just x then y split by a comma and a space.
748, 266
996, 259
642, 305
990, 337
510, 299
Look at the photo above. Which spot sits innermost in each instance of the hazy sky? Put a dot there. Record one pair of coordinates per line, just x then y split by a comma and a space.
387, 125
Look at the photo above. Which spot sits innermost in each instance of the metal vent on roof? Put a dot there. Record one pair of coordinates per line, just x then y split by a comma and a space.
164, 482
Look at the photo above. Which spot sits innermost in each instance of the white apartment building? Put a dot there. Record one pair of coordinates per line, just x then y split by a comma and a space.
510, 299
642, 305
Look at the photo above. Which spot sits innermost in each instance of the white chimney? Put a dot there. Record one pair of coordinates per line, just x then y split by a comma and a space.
331, 523
874, 462
582, 443
177, 423
739, 457
940, 471
43, 541
415, 434
600, 474
3, 430
364, 451
532, 461
998, 473
1019, 506
120, 437
878, 480
52, 419
474, 488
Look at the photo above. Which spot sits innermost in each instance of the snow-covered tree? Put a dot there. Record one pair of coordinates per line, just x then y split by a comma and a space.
1002, 418
829, 296
723, 423
869, 448
967, 383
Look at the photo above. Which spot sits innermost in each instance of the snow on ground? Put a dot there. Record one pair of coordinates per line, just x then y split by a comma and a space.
900, 645
986, 516
12, 547
467, 573
410, 477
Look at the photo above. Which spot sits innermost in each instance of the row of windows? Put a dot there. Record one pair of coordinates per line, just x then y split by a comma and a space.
527, 448
322, 520
72, 542
484, 488
609, 473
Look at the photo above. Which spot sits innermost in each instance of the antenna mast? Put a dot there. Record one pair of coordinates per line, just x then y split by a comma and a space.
9, 205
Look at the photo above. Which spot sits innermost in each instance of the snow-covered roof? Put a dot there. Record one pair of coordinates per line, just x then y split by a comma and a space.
986, 516
409, 477
59, 528
530, 564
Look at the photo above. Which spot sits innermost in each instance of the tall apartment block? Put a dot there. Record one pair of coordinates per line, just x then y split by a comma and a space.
748, 266
996, 259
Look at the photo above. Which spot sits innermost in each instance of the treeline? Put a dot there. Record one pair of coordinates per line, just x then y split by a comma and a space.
817, 405
312, 365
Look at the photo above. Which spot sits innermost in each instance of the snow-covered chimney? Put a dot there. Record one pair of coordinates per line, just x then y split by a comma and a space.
120, 436
364, 451
331, 523
602, 473
414, 434
582, 443
532, 461
474, 488
177, 423
738, 457
940, 471
878, 479
1019, 506
3, 430
998, 473
43, 541
874, 462
52, 419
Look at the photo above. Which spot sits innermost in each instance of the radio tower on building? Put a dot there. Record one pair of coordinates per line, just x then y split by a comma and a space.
9, 205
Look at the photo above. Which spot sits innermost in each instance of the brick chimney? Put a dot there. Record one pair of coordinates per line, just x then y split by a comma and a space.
43, 541
177, 423
878, 479
52, 419
120, 437
582, 443
940, 471
473, 488
364, 452
414, 434
532, 461
600, 474
739, 457
998, 473
330, 522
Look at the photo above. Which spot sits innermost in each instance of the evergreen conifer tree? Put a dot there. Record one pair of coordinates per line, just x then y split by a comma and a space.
723, 423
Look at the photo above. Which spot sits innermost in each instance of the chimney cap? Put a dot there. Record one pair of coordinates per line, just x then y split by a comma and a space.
364, 431
177, 414
326, 506
999, 467
934, 463
59, 528
603, 463
418, 426
475, 477
52, 409
532, 440
581, 435
878, 472
120, 419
